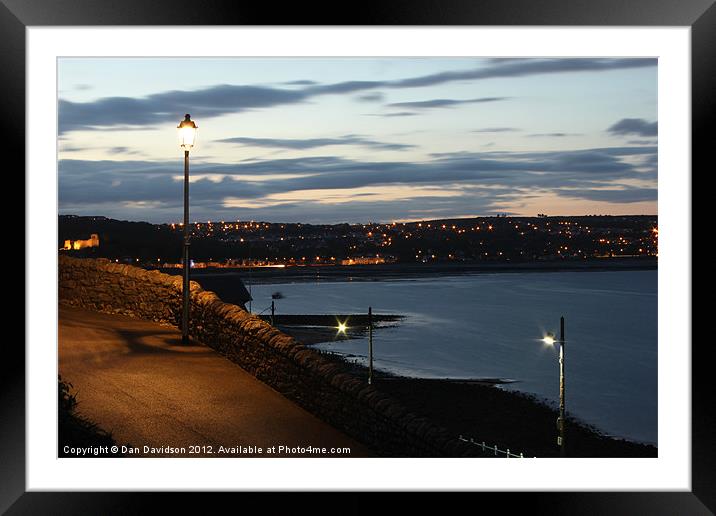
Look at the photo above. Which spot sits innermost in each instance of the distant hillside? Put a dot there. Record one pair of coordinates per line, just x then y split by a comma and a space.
465, 240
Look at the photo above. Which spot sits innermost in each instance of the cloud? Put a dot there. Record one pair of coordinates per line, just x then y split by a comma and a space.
636, 126
218, 100
310, 188
552, 135
73, 148
306, 212
622, 195
641, 142
524, 67
312, 143
344, 87
371, 97
122, 150
168, 107
495, 130
440, 103
300, 83
398, 114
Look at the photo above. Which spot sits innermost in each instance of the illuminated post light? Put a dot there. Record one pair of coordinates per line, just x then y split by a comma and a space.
550, 340
187, 133
187, 138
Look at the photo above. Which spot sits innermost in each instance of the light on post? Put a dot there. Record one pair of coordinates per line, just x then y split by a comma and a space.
187, 132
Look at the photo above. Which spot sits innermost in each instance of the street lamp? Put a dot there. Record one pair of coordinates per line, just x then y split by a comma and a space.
187, 137
550, 340
370, 345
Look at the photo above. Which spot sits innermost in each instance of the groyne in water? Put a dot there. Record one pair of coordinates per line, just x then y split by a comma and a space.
330, 320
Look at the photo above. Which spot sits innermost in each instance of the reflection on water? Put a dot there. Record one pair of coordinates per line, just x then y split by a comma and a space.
490, 325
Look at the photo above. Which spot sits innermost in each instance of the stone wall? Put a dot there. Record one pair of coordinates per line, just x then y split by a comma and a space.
300, 373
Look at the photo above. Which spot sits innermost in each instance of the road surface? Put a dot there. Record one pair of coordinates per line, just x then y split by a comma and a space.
135, 379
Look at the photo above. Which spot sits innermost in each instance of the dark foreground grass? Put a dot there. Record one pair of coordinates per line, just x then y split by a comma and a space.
74, 430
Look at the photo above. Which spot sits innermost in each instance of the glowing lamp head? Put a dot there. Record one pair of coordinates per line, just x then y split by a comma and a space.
549, 339
342, 328
187, 132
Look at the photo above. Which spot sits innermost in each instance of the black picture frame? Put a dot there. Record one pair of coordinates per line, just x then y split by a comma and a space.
700, 15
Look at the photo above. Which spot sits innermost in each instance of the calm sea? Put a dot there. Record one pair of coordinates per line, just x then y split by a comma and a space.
490, 326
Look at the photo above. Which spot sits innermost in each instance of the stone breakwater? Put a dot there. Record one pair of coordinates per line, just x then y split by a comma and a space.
302, 374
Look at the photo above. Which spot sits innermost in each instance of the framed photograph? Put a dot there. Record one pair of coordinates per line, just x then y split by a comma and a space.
419, 239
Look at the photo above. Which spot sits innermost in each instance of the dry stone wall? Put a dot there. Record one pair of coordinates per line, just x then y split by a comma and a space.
298, 372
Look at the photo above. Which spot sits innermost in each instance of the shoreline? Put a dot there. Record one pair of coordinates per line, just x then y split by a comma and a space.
480, 409
407, 271
516, 420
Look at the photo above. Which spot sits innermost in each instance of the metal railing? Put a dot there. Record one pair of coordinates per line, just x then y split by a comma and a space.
486, 448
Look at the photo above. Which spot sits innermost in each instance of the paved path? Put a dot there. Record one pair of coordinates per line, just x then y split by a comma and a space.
135, 379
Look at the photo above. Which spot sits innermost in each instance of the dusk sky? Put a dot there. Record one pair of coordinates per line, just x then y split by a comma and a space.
326, 140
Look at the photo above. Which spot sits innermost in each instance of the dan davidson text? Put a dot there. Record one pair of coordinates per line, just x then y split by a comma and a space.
204, 450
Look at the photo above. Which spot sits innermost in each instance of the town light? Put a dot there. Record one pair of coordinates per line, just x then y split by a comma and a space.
187, 132
342, 328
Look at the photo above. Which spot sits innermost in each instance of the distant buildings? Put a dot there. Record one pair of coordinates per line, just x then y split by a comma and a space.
76, 245
364, 260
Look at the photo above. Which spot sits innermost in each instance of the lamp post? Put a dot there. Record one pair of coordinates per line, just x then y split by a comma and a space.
370, 345
549, 339
187, 137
